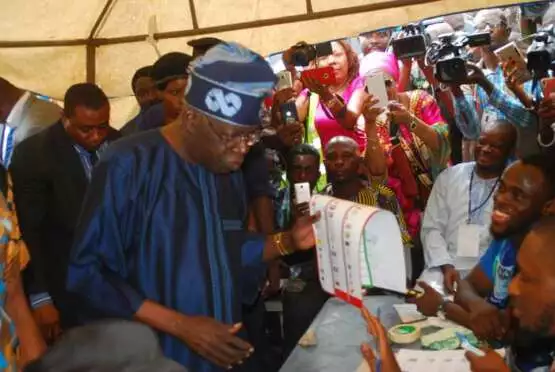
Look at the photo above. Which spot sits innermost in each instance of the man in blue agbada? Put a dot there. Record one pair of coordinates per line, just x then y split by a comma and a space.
162, 238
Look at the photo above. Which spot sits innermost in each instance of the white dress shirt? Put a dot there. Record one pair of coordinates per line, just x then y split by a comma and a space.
447, 210
11, 122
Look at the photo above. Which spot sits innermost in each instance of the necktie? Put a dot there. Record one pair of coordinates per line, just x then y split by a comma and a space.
93, 157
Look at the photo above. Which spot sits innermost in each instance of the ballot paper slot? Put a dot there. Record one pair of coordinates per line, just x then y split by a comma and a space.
357, 246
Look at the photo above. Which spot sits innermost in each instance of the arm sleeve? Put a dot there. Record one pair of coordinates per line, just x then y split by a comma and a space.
30, 192
487, 260
466, 117
434, 225
516, 113
97, 269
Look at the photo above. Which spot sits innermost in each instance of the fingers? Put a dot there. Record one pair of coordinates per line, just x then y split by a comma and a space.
235, 328
425, 286
369, 356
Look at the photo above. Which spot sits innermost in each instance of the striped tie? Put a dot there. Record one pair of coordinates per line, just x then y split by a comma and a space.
9, 146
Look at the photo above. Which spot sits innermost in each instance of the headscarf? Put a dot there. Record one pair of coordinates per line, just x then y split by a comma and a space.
380, 61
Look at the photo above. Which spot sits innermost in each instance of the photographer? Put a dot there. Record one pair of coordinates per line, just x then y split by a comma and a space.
413, 130
490, 98
335, 110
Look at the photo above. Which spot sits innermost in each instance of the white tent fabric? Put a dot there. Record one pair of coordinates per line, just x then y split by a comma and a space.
43, 44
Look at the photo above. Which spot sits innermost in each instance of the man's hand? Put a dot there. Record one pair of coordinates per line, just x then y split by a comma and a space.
215, 341
428, 304
283, 96
475, 75
451, 278
301, 210
302, 234
487, 321
48, 320
492, 362
290, 134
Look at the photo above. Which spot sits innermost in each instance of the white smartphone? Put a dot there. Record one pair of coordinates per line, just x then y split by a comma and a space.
302, 193
284, 80
511, 53
375, 85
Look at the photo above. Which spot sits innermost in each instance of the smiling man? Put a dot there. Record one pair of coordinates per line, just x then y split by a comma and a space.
455, 228
526, 192
532, 294
162, 237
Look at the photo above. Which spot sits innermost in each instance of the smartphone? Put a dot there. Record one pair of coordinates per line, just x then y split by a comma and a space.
289, 113
548, 86
375, 85
324, 75
284, 80
510, 53
302, 193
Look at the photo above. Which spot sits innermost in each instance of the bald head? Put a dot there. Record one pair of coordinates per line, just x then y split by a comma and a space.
9, 94
494, 148
347, 142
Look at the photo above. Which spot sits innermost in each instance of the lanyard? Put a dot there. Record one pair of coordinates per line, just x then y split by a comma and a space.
473, 210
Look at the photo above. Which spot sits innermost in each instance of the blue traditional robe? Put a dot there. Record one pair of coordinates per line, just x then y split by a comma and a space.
156, 227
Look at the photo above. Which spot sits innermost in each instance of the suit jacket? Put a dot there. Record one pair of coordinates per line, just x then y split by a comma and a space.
36, 115
49, 187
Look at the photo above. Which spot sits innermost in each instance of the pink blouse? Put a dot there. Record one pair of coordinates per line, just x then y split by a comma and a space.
328, 127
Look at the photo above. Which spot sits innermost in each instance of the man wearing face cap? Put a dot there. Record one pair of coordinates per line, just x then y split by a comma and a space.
161, 237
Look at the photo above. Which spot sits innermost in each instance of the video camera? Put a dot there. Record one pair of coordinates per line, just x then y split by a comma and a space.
449, 56
541, 54
303, 53
411, 42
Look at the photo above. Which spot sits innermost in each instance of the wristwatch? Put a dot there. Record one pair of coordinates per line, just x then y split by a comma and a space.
413, 123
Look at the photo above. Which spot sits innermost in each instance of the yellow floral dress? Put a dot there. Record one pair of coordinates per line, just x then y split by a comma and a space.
13, 258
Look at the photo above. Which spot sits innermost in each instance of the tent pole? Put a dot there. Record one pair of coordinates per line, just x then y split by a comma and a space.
193, 14
309, 9
91, 63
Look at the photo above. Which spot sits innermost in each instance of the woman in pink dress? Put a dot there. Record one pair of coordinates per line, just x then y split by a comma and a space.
335, 110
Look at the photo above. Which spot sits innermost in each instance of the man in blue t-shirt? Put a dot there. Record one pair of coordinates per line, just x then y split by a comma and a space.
527, 191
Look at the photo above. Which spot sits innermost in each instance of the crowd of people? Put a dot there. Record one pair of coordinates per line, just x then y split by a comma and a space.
186, 219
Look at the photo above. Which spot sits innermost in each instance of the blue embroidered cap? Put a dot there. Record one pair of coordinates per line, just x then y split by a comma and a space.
230, 83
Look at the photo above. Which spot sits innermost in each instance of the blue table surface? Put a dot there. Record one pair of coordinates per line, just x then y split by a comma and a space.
340, 330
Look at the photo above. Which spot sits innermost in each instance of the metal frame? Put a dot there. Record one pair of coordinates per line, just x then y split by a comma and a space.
91, 43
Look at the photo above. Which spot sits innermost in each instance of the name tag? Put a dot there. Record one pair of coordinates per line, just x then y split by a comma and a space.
468, 240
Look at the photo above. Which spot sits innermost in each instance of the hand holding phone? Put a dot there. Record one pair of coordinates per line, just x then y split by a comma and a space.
289, 113
284, 80
375, 85
323, 75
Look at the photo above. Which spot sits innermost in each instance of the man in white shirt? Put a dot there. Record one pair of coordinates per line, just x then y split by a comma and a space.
455, 228
22, 115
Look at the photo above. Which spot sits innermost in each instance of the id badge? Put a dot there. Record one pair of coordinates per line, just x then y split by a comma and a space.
468, 240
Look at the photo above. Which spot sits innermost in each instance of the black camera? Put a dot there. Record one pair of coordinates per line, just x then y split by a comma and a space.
448, 55
304, 53
541, 54
411, 42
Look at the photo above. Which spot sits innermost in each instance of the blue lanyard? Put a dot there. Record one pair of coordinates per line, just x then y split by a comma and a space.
473, 210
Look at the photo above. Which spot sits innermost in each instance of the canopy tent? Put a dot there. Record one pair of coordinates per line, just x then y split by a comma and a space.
48, 45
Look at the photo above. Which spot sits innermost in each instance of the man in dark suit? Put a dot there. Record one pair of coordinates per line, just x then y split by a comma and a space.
51, 171
144, 89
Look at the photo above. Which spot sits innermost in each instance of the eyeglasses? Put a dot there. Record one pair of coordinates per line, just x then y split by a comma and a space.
237, 140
